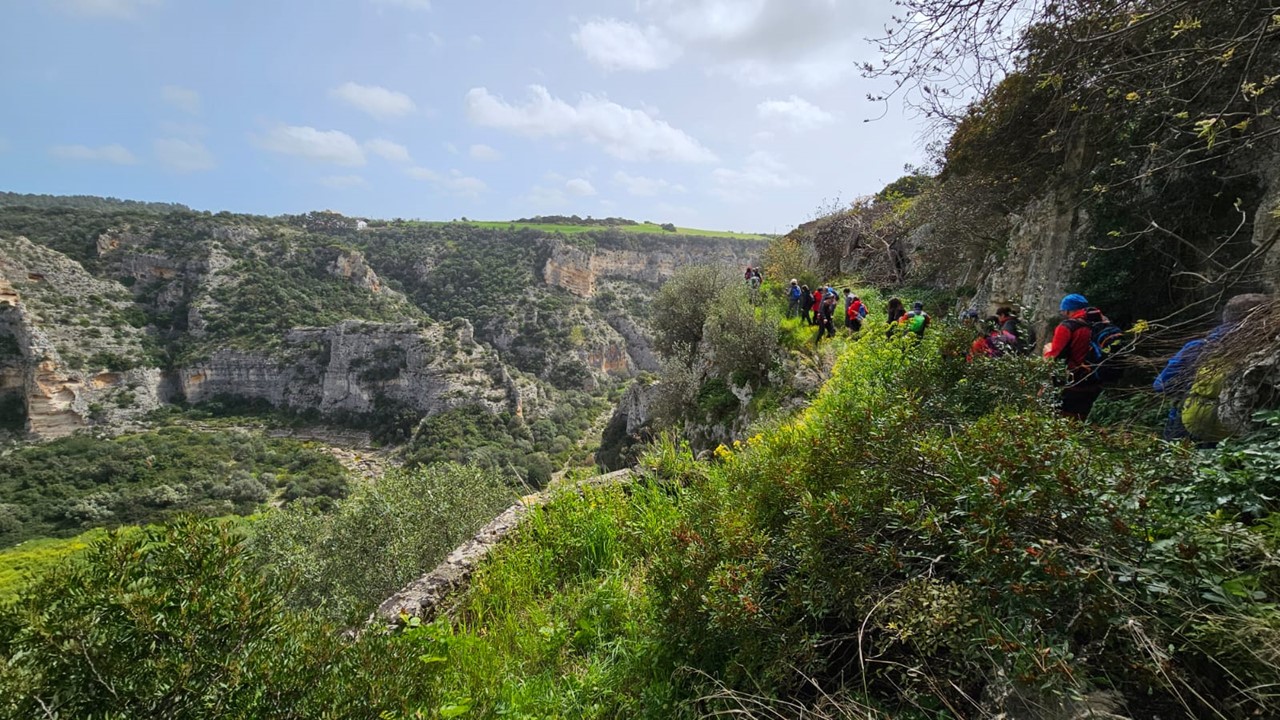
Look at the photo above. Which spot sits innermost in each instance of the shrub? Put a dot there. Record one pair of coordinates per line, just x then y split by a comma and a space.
385, 534
175, 622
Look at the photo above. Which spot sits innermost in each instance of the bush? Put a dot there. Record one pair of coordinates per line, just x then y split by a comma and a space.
69, 485
175, 622
928, 528
343, 563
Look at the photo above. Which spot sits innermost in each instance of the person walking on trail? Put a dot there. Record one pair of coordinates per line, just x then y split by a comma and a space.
916, 321
826, 316
1181, 378
993, 342
816, 307
854, 311
793, 299
1022, 332
806, 304
895, 310
1072, 343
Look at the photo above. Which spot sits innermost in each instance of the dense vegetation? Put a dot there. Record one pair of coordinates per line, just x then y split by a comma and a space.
926, 538
63, 487
342, 563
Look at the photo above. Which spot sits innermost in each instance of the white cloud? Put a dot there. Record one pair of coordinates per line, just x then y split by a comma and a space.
484, 153
796, 112
454, 183
184, 99
625, 133
114, 153
758, 42
640, 186
387, 150
618, 45
329, 146
106, 8
342, 182
375, 100
761, 171
183, 156
407, 4
580, 187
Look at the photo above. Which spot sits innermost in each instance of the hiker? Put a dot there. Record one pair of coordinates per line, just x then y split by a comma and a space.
916, 321
748, 274
854, 312
793, 299
993, 342
826, 316
806, 304
1022, 332
895, 310
1195, 396
816, 307
1073, 342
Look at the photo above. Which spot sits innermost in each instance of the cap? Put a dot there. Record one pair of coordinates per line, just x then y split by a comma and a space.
1072, 302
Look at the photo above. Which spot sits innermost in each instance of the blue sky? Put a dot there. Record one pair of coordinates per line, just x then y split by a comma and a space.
725, 114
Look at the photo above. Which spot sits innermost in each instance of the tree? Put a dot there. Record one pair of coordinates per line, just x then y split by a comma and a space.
681, 308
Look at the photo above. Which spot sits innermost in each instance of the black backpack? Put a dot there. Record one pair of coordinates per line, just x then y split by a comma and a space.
1107, 345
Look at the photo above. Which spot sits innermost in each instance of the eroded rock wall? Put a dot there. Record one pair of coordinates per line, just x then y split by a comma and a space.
358, 368
79, 359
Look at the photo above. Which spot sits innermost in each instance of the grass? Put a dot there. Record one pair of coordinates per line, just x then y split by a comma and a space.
648, 229
559, 623
20, 563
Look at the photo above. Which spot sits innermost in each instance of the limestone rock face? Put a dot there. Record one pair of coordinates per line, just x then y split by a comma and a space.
580, 271
1044, 247
79, 360
359, 368
351, 266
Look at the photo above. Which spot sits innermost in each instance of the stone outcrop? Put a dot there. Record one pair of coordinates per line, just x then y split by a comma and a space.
357, 368
628, 427
80, 361
1044, 245
351, 266
429, 596
580, 271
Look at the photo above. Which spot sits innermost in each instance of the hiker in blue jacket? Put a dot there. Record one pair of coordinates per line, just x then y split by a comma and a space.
1177, 377
793, 298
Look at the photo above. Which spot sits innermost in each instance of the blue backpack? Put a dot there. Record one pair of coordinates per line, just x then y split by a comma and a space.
1106, 345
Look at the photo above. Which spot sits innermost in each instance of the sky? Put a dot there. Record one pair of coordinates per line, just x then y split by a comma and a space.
743, 115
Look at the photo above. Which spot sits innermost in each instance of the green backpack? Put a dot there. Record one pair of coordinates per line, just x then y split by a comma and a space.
917, 322
1200, 409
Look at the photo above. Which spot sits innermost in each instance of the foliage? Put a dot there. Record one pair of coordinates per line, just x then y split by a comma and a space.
787, 258
342, 563
558, 622
927, 524
86, 202
63, 487
175, 622
741, 337
505, 443
20, 564
681, 309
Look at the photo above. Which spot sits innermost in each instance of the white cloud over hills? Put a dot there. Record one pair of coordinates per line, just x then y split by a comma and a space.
625, 133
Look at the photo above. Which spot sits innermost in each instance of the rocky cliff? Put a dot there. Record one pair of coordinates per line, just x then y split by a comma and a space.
357, 368
76, 356
580, 271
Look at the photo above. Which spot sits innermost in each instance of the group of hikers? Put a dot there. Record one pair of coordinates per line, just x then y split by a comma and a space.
819, 307
1088, 344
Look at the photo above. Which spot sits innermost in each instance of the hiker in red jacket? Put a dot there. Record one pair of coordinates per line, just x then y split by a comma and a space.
1072, 341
